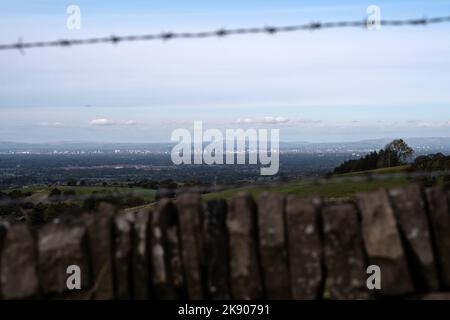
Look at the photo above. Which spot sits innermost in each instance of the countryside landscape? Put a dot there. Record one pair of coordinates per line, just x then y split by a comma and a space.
225, 157
50, 180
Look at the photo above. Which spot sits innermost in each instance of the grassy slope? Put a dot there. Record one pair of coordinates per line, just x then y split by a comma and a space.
40, 193
339, 189
393, 170
332, 189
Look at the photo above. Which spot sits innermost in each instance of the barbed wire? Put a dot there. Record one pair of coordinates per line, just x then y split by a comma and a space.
247, 186
271, 30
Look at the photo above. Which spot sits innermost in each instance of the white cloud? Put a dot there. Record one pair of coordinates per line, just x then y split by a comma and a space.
109, 122
276, 120
265, 120
51, 124
129, 123
427, 124
102, 122
246, 121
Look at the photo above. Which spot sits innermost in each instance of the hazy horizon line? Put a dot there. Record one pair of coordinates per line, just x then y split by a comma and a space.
174, 142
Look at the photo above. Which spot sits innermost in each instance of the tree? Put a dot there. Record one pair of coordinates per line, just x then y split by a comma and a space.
71, 182
55, 194
394, 154
397, 152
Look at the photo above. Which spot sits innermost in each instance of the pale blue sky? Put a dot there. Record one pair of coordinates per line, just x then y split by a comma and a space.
330, 85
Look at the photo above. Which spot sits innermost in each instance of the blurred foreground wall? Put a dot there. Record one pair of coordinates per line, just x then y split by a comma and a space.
279, 247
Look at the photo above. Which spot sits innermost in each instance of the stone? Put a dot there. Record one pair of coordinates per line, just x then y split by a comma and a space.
383, 243
141, 255
245, 273
439, 217
167, 271
100, 227
59, 247
3, 228
189, 209
19, 277
434, 296
412, 219
304, 247
123, 255
216, 250
272, 246
344, 253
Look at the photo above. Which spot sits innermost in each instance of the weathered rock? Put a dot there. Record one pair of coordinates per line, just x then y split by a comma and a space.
123, 255
344, 253
383, 244
434, 296
59, 247
246, 281
439, 217
3, 228
272, 245
304, 247
141, 256
216, 249
19, 274
412, 219
100, 228
189, 214
167, 271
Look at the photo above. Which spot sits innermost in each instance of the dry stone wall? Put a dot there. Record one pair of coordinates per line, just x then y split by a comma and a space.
272, 247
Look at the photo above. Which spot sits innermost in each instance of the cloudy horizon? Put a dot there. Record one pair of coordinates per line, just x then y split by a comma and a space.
330, 85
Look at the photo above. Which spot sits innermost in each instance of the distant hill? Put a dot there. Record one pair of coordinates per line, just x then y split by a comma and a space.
420, 145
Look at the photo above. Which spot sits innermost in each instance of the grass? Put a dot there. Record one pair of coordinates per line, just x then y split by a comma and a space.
337, 188
330, 190
40, 193
392, 170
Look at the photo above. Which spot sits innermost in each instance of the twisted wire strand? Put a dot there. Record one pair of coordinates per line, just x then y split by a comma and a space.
165, 36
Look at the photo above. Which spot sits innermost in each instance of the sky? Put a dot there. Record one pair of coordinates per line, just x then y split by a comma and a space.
328, 85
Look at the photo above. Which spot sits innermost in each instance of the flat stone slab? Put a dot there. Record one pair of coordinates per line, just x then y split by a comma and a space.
216, 250
19, 277
439, 216
61, 246
344, 253
272, 246
383, 243
246, 281
189, 208
124, 225
100, 227
305, 247
411, 214
434, 296
141, 255
3, 228
167, 271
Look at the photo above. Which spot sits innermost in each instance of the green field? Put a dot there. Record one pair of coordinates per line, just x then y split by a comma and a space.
330, 190
40, 193
385, 171
337, 187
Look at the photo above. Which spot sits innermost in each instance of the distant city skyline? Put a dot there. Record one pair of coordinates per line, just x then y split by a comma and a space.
331, 85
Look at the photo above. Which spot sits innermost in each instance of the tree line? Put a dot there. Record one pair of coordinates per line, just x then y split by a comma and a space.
394, 154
